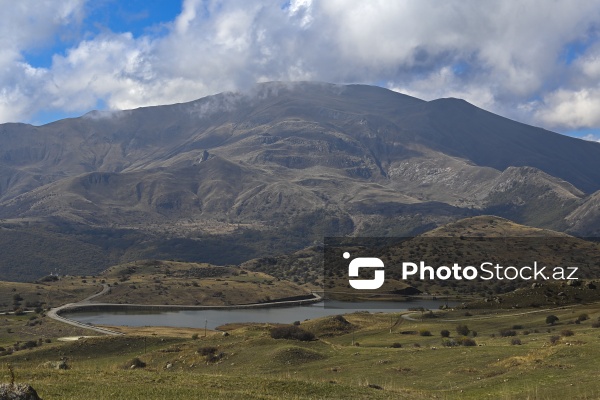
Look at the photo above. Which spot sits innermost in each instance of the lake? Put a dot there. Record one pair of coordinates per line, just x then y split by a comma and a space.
215, 318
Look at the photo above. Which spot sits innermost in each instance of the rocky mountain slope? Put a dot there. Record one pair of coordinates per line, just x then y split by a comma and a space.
302, 160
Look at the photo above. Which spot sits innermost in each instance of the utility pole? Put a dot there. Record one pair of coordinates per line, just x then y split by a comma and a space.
205, 324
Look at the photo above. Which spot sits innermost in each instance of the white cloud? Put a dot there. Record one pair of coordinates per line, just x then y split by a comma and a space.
28, 25
572, 109
591, 138
503, 56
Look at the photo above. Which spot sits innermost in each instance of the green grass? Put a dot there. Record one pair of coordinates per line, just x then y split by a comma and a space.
256, 366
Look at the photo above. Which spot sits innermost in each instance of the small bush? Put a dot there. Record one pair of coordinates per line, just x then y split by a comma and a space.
396, 345
296, 323
507, 332
517, 326
213, 358
526, 332
416, 345
424, 332
30, 344
596, 324
462, 330
136, 363
554, 339
210, 354
465, 341
567, 332
208, 350
195, 336
449, 343
551, 319
445, 333
583, 317
515, 341
291, 332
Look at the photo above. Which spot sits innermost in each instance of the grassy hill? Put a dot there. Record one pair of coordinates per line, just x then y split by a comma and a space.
170, 282
366, 360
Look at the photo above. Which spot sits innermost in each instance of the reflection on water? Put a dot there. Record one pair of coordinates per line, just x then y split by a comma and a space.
214, 318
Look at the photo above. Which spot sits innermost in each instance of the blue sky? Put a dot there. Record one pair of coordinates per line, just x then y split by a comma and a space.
533, 61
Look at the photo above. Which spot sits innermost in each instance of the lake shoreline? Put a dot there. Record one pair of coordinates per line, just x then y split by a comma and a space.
89, 306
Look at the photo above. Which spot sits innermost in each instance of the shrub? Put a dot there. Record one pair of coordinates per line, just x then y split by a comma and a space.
596, 324
583, 317
526, 332
296, 323
445, 333
213, 358
396, 345
567, 332
462, 330
29, 344
291, 332
554, 339
449, 343
465, 341
473, 333
416, 345
507, 332
195, 336
515, 341
135, 363
424, 332
517, 326
551, 319
208, 350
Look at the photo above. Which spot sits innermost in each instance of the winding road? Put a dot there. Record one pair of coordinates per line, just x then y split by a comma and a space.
54, 313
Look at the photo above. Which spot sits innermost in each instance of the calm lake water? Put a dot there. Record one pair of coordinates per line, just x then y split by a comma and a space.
214, 318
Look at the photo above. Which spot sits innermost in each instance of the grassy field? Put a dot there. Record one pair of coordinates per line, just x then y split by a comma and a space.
361, 355
68, 289
170, 282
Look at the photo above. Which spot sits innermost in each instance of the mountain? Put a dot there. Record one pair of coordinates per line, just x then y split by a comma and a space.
276, 168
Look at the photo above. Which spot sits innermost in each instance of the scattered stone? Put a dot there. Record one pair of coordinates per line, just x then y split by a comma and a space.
62, 364
18, 391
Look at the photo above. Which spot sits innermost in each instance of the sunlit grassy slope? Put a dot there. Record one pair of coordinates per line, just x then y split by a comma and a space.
359, 359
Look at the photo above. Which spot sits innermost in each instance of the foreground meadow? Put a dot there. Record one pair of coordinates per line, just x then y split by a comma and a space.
512, 354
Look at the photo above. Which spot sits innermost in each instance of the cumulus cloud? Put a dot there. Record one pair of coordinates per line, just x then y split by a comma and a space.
29, 25
507, 57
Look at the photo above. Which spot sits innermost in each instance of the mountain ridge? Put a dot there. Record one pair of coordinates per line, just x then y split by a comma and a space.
294, 160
